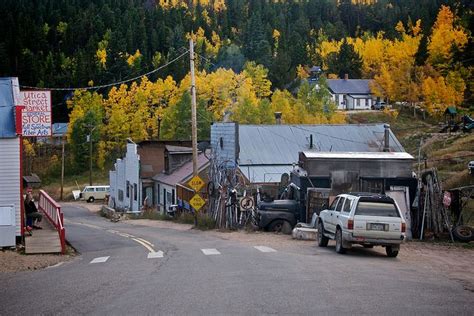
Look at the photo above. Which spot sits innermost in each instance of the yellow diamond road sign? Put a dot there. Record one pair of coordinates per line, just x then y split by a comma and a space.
197, 202
196, 183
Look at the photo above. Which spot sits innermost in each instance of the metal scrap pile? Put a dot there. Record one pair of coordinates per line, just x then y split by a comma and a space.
462, 207
223, 182
431, 217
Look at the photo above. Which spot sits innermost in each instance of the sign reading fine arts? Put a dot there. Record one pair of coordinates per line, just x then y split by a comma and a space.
36, 115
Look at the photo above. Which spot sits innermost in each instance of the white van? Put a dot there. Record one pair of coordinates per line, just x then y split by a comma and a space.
470, 166
95, 192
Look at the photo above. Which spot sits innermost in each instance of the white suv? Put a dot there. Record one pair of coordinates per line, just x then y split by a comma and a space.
362, 218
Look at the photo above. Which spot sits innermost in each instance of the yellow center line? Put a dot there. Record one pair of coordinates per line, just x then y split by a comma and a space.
145, 241
144, 245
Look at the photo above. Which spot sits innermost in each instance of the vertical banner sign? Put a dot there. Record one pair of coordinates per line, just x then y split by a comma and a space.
36, 117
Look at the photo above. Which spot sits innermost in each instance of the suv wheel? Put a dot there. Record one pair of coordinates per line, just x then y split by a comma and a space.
322, 240
90, 200
390, 252
339, 247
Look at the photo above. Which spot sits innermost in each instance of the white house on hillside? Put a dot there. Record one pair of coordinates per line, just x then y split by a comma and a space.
351, 94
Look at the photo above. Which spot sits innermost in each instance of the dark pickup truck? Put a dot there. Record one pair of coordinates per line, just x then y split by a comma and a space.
297, 204
277, 216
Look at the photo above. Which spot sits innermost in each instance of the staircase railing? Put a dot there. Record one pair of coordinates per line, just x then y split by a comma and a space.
52, 210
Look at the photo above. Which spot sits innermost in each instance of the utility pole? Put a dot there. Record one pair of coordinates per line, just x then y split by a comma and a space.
193, 115
193, 108
90, 151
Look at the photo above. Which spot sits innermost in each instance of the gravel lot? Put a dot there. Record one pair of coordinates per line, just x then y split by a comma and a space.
453, 261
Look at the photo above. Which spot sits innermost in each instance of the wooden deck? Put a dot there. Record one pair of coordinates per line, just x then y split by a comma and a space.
44, 240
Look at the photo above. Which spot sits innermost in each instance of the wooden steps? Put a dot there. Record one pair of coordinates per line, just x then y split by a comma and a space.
44, 240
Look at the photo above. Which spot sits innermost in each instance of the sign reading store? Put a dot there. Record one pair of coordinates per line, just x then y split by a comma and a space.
36, 115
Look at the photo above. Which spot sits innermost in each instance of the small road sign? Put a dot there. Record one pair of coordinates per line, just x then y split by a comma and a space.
196, 183
247, 203
197, 202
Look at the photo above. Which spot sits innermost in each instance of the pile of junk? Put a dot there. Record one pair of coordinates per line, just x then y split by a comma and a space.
443, 211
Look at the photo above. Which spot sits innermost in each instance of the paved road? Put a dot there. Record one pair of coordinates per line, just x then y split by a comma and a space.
124, 269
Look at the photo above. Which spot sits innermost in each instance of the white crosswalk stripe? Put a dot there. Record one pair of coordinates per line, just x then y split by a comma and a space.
264, 249
100, 259
153, 255
209, 252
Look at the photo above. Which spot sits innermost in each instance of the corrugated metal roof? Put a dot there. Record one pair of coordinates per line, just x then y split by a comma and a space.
7, 108
359, 155
265, 174
280, 144
349, 86
181, 173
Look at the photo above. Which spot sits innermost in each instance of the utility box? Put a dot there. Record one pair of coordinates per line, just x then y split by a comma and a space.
7, 225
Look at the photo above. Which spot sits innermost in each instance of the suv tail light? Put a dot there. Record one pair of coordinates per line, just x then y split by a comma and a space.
404, 227
350, 224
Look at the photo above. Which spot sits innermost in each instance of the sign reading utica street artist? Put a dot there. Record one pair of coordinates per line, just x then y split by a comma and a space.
36, 115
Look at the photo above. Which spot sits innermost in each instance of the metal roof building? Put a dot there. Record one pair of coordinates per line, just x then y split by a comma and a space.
264, 152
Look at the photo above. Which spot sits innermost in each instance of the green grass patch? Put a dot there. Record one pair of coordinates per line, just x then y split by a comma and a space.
153, 214
204, 221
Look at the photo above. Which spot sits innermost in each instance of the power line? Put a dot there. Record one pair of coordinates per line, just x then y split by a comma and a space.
110, 84
206, 59
330, 136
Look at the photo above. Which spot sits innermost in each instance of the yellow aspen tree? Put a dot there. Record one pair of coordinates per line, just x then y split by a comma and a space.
444, 36
383, 85
301, 72
258, 74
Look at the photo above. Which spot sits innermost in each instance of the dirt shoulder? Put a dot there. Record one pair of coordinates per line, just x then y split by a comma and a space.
15, 261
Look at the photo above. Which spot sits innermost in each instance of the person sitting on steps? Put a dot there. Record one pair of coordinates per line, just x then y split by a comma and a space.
32, 214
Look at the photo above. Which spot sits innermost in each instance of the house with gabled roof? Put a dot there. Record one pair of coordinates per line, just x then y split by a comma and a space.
351, 94
172, 184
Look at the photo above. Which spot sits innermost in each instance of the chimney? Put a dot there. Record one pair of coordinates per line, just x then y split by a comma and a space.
386, 143
346, 76
278, 118
310, 141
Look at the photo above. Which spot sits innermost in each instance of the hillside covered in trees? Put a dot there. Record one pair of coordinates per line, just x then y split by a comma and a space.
253, 57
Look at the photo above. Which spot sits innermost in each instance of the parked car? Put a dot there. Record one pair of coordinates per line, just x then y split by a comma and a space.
366, 219
470, 167
379, 105
95, 192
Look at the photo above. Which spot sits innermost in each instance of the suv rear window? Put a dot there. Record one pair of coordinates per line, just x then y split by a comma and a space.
376, 209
